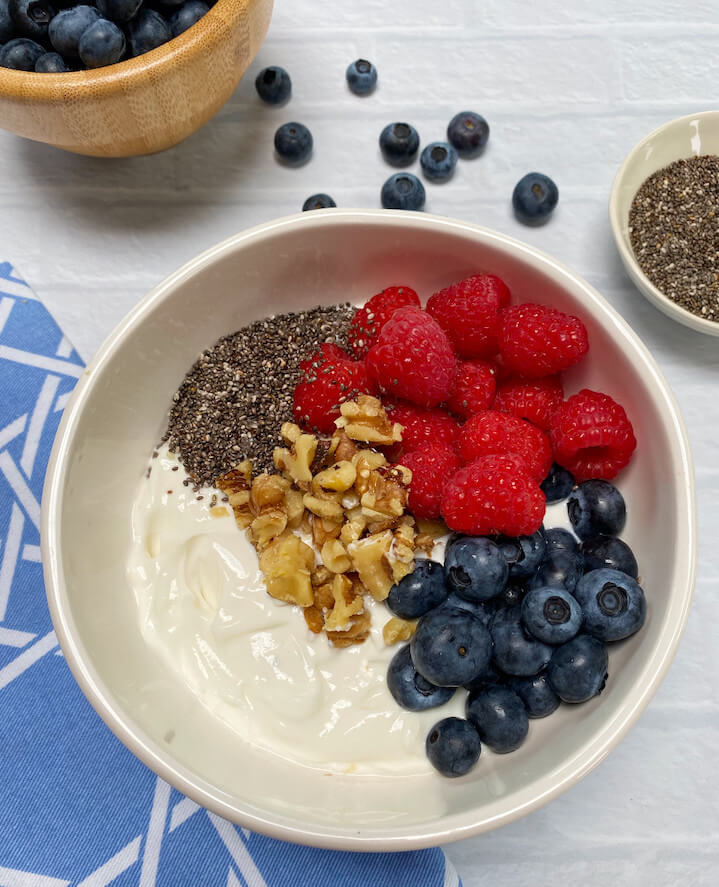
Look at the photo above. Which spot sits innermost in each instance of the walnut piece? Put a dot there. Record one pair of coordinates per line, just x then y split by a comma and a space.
286, 564
370, 559
296, 461
365, 419
236, 486
334, 556
397, 630
347, 603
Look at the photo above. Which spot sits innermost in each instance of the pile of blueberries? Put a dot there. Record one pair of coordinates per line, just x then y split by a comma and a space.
54, 36
521, 623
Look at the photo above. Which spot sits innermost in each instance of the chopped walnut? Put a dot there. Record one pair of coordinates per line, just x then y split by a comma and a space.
347, 603
269, 524
346, 448
267, 490
296, 461
334, 556
370, 558
365, 419
236, 486
339, 477
286, 564
397, 630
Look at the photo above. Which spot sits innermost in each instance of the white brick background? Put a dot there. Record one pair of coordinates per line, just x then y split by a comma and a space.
568, 88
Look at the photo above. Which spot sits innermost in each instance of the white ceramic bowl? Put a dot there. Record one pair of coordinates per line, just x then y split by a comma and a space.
117, 415
676, 140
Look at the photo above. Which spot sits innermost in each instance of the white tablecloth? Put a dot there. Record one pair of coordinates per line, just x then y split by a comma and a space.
568, 88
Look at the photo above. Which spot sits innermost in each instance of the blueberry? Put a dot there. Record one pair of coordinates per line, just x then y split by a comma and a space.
293, 143
609, 552
483, 612
318, 201
118, 10
438, 161
146, 31
515, 652
468, 133
596, 508
490, 677
7, 27
20, 54
273, 85
522, 553
31, 17
186, 16
361, 77
578, 670
418, 592
450, 647
399, 143
613, 603
551, 615
101, 44
558, 539
51, 63
558, 484
537, 695
68, 26
511, 596
534, 198
409, 689
453, 746
403, 191
475, 568
499, 717
559, 569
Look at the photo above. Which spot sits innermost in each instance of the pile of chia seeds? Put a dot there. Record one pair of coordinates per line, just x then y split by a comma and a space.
233, 401
674, 232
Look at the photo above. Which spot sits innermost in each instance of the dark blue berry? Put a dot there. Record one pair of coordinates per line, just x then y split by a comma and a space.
186, 16
293, 143
118, 10
516, 652
522, 553
438, 161
318, 201
475, 568
537, 695
450, 647
20, 54
511, 596
361, 77
67, 28
403, 191
499, 717
608, 552
273, 85
596, 508
483, 612
399, 143
490, 677
409, 689
31, 17
453, 747
7, 27
558, 539
468, 133
51, 63
418, 592
534, 198
558, 484
101, 44
146, 31
578, 670
613, 603
559, 569
551, 615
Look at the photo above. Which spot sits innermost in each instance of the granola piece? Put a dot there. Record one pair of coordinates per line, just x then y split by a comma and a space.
297, 460
286, 564
346, 604
235, 484
397, 630
338, 478
334, 556
365, 419
370, 558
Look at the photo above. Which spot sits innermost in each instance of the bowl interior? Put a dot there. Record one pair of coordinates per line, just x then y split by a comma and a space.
117, 417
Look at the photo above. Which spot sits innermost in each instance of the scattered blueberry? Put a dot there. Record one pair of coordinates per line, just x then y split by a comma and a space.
361, 77
450, 647
399, 143
483, 612
500, 718
559, 569
118, 11
418, 592
51, 63
453, 746
318, 201
534, 198
613, 603
558, 539
293, 143
20, 54
468, 133
515, 652
7, 28
551, 615
438, 161
186, 16
68, 26
475, 568
596, 508
490, 677
101, 44
611, 553
31, 17
578, 670
273, 85
537, 695
558, 484
403, 191
146, 31
409, 689
522, 553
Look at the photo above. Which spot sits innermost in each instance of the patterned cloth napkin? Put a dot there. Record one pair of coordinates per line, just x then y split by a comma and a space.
75, 806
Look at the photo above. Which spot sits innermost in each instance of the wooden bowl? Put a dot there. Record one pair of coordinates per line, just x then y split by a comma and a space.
145, 104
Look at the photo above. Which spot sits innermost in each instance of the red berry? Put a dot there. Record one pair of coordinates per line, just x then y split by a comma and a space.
535, 401
468, 311
490, 433
431, 468
535, 340
412, 358
591, 436
495, 494
423, 428
372, 316
473, 389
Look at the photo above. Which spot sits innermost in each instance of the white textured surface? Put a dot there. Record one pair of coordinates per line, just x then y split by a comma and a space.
568, 88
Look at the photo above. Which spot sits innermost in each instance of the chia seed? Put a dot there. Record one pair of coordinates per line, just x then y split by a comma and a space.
674, 232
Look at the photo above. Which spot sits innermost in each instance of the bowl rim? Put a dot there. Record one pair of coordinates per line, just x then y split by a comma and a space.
639, 278
332, 837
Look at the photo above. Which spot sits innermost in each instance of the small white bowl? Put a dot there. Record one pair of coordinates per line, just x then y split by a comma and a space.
685, 137
117, 415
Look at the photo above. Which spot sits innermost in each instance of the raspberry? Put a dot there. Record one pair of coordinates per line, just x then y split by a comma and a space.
431, 468
423, 428
591, 436
493, 495
330, 378
412, 358
473, 389
468, 312
535, 340
535, 401
369, 320
491, 433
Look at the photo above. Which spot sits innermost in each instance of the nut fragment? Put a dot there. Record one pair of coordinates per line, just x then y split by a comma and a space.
236, 486
370, 560
365, 419
347, 603
286, 564
314, 619
397, 630
290, 432
338, 477
329, 508
267, 490
346, 448
296, 462
267, 525
295, 508
335, 557
357, 633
